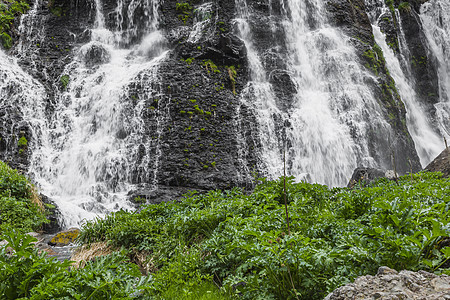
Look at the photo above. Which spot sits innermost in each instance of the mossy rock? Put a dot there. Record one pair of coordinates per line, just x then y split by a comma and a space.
64, 238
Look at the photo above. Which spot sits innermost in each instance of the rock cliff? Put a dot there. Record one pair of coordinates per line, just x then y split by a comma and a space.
197, 133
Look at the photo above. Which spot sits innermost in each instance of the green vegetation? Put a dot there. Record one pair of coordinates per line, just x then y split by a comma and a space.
210, 66
186, 9
29, 274
236, 245
233, 75
188, 60
65, 79
9, 10
240, 241
6, 40
20, 206
390, 4
405, 7
22, 142
375, 59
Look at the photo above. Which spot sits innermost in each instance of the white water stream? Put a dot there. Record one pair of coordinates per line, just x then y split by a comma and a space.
427, 139
330, 116
435, 16
19, 90
89, 150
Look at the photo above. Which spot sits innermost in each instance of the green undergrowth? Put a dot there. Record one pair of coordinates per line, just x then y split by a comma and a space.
29, 274
9, 10
239, 241
20, 206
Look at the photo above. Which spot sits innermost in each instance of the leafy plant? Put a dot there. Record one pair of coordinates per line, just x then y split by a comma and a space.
239, 241
8, 12
28, 274
65, 79
20, 206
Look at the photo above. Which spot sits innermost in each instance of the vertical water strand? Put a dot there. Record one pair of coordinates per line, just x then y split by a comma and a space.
97, 151
334, 109
258, 95
427, 142
425, 138
435, 16
32, 32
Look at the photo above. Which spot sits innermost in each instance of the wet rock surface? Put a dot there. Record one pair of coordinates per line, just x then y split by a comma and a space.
53, 215
389, 284
60, 253
365, 176
352, 17
64, 238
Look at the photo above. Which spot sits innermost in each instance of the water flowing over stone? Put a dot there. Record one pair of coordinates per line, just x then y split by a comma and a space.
324, 123
435, 16
21, 109
426, 138
125, 99
94, 150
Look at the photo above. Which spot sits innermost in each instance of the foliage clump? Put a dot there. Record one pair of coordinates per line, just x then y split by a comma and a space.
28, 274
20, 206
9, 10
240, 242
65, 79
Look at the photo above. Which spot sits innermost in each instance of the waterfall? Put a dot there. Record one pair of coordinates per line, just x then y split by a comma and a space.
435, 16
97, 145
427, 141
98, 131
325, 125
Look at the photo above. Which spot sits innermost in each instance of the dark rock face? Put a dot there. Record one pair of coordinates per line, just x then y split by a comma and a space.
198, 147
52, 215
48, 38
12, 128
95, 54
423, 65
441, 163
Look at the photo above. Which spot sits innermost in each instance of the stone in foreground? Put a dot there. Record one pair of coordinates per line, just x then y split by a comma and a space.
390, 284
64, 238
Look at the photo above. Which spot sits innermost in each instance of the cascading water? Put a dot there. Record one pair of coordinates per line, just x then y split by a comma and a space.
427, 141
435, 16
259, 96
19, 90
94, 150
100, 129
327, 122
